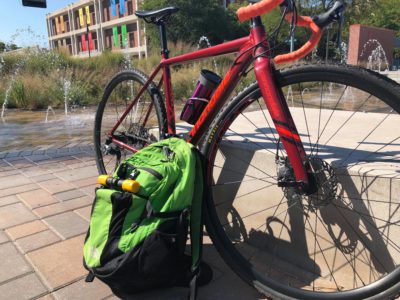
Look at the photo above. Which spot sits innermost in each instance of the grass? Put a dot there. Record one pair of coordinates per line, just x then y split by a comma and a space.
41, 76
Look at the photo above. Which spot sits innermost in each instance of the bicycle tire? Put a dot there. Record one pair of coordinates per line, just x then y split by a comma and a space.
288, 277
117, 95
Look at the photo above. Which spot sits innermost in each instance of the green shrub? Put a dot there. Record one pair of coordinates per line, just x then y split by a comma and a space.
80, 94
17, 94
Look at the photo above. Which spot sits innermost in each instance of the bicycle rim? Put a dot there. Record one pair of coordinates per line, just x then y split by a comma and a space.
142, 125
341, 242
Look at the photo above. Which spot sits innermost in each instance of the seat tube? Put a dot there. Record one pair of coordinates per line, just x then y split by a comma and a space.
277, 106
169, 97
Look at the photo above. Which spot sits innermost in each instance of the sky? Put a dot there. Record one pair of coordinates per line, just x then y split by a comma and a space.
27, 22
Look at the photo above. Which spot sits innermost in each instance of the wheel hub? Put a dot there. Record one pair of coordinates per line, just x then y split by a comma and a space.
322, 176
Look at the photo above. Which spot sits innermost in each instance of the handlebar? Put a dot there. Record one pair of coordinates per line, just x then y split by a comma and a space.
257, 9
316, 24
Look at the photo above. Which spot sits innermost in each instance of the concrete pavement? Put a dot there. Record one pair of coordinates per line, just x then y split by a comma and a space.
45, 201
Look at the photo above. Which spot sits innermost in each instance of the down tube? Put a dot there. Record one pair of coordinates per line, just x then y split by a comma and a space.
220, 96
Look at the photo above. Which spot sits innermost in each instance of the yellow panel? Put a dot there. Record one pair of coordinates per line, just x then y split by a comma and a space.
62, 23
57, 26
81, 21
88, 19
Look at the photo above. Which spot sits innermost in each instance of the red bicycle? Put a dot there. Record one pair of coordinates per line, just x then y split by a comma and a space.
303, 165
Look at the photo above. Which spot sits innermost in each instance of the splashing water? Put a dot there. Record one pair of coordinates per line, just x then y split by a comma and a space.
127, 63
8, 91
1, 64
377, 59
306, 90
66, 89
314, 56
204, 40
49, 109
289, 95
342, 53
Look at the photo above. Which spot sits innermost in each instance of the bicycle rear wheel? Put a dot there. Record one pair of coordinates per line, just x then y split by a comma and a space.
341, 242
143, 125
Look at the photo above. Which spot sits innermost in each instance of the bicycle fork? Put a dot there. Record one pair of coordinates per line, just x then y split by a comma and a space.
280, 114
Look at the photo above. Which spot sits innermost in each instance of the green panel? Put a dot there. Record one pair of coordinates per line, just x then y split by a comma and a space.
116, 37
173, 193
99, 226
124, 33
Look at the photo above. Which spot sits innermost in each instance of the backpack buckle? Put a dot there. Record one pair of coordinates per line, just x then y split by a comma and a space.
135, 173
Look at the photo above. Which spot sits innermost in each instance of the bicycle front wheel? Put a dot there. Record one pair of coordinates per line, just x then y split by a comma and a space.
342, 242
143, 124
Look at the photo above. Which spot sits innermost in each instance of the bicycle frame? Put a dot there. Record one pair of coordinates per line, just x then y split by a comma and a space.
251, 48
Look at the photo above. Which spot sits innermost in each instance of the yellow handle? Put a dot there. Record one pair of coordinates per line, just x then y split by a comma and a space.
131, 186
127, 185
102, 180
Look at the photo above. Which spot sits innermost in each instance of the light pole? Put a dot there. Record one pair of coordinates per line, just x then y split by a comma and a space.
88, 40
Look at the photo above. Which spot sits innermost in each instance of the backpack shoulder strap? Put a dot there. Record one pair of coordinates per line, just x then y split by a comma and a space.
196, 223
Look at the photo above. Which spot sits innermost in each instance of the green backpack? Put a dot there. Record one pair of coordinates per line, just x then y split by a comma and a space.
136, 242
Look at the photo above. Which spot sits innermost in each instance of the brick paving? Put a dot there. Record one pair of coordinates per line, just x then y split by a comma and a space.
45, 201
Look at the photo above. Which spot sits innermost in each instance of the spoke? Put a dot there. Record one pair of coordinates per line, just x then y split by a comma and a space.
253, 177
255, 126
315, 248
270, 127
347, 120
360, 199
252, 214
242, 181
249, 164
255, 191
364, 159
319, 120
367, 136
280, 232
319, 246
364, 216
361, 238
305, 116
330, 116
348, 261
231, 201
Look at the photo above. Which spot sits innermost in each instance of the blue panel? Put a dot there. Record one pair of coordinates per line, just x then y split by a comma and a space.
113, 8
122, 7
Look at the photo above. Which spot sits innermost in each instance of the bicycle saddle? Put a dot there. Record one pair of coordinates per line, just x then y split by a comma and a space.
157, 16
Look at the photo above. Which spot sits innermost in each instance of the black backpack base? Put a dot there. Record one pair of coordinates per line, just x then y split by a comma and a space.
182, 278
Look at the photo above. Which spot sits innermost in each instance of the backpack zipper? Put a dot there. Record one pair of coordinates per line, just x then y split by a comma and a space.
152, 172
135, 172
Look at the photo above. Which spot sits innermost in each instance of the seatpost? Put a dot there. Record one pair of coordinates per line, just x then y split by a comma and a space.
163, 39
256, 22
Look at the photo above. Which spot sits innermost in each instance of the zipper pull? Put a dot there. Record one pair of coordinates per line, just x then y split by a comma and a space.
168, 153
133, 228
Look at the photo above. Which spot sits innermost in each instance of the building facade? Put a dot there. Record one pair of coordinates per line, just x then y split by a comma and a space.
89, 27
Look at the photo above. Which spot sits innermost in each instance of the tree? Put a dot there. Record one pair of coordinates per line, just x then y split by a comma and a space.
386, 14
12, 47
196, 19
2, 46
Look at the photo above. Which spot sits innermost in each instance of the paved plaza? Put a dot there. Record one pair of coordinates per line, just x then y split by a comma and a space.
45, 200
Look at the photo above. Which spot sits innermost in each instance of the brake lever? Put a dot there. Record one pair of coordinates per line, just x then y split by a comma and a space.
331, 16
